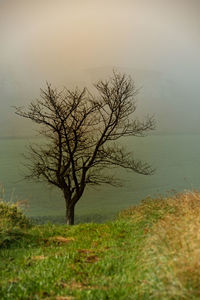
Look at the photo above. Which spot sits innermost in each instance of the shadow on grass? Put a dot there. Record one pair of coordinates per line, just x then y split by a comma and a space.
18, 240
95, 218
21, 238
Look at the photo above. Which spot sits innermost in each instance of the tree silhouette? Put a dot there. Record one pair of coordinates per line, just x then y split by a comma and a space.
82, 132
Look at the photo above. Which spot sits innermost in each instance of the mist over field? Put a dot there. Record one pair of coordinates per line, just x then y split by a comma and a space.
71, 43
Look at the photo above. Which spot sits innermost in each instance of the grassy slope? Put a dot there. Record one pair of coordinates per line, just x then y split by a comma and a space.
150, 252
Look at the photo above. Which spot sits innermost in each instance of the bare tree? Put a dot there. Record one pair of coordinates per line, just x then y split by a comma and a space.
82, 130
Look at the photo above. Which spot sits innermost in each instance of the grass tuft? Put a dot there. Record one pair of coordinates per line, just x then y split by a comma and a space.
13, 222
171, 256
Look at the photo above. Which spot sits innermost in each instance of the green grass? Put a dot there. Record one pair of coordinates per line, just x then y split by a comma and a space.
129, 258
95, 265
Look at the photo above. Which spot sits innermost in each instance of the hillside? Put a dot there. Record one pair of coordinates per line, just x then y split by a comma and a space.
150, 251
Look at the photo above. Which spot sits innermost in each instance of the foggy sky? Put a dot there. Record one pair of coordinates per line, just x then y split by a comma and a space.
72, 42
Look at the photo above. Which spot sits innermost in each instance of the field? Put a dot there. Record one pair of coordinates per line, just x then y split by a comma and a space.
151, 251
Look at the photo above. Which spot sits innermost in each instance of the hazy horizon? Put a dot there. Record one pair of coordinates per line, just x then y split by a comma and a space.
71, 43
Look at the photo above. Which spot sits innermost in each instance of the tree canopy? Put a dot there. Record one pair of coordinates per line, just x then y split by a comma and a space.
82, 131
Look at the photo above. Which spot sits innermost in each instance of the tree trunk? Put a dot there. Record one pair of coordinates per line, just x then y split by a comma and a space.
70, 214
